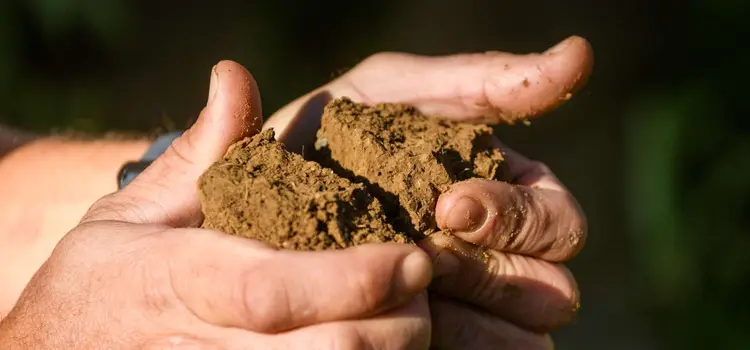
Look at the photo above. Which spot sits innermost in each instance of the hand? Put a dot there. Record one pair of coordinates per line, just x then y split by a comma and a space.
11, 139
127, 278
508, 294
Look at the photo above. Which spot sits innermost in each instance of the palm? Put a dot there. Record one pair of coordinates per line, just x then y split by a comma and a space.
516, 288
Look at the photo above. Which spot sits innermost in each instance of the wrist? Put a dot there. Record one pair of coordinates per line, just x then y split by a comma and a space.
47, 186
56, 175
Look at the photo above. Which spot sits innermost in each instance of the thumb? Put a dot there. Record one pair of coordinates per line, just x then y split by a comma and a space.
166, 193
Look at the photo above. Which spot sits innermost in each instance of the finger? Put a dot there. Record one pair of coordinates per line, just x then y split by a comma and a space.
533, 294
404, 328
536, 215
527, 172
236, 282
165, 192
540, 222
490, 87
204, 338
459, 326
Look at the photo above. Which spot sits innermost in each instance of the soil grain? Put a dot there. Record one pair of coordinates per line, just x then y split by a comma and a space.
262, 191
405, 158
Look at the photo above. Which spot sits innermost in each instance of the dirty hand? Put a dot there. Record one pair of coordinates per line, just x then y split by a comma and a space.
136, 273
509, 293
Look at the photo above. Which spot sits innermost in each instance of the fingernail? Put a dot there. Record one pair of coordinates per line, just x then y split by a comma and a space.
416, 271
214, 85
445, 263
561, 46
467, 215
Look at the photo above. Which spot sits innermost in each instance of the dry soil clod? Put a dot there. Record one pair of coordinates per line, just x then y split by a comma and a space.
386, 166
405, 158
262, 191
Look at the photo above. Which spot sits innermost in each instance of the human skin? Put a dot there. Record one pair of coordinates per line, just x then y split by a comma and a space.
47, 185
136, 273
498, 278
471, 304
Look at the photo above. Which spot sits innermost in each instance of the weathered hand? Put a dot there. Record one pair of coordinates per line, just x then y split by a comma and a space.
134, 274
510, 292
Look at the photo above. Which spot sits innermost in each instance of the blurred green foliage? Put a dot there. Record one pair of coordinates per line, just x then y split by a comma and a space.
38, 41
689, 202
683, 128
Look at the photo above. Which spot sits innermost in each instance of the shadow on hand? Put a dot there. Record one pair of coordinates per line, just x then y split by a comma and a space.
300, 134
505, 285
530, 293
300, 138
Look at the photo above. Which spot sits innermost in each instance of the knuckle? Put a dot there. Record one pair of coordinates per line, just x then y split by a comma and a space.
487, 285
515, 219
481, 99
84, 240
484, 98
99, 209
372, 287
264, 300
115, 206
537, 222
180, 152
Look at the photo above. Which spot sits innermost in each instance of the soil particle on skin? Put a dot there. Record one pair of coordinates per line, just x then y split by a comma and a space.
262, 191
405, 158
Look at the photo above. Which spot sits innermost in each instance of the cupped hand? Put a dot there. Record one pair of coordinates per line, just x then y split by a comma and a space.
498, 281
136, 273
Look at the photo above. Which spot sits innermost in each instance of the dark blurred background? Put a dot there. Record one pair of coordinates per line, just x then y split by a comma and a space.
656, 147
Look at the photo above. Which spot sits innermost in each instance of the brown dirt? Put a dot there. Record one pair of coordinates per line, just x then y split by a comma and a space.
262, 191
388, 153
405, 158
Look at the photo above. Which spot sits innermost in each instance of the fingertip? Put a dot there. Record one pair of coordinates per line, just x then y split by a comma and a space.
570, 286
238, 95
581, 53
412, 267
416, 271
544, 81
558, 295
462, 208
574, 42
232, 113
228, 66
570, 62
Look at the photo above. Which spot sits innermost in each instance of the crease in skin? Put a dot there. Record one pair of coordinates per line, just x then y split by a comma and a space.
478, 253
560, 306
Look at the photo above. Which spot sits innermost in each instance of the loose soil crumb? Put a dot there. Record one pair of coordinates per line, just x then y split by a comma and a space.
262, 191
405, 158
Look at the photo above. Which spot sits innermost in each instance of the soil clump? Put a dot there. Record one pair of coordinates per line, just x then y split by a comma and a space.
262, 191
377, 175
405, 158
